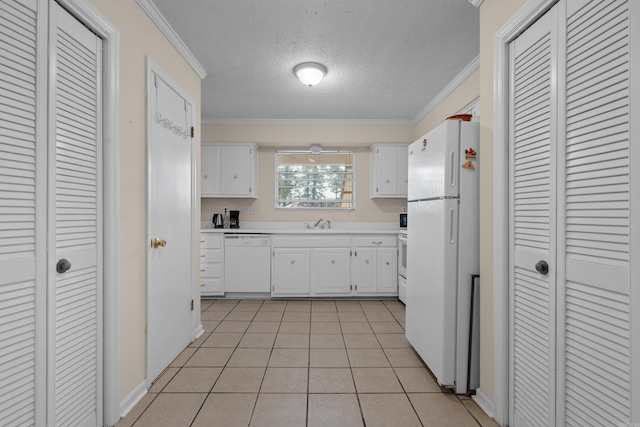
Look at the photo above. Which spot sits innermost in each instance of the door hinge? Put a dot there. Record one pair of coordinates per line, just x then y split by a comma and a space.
191, 305
355, 253
350, 287
356, 288
193, 132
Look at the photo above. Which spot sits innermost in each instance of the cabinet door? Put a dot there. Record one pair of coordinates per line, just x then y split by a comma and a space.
210, 170
236, 171
290, 271
365, 270
330, 271
385, 171
403, 171
387, 268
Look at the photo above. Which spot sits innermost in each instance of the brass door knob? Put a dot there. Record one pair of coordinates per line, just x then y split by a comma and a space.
155, 243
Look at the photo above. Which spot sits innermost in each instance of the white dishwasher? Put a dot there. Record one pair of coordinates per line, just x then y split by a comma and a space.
247, 263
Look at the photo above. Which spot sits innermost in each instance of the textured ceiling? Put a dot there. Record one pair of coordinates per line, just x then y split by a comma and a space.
386, 60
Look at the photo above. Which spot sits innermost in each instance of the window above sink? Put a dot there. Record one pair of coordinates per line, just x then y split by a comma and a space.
306, 180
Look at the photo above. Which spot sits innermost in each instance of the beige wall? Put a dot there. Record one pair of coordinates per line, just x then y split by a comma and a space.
138, 38
271, 138
463, 95
493, 15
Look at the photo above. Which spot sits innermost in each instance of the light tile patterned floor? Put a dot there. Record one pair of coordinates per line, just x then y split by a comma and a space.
301, 363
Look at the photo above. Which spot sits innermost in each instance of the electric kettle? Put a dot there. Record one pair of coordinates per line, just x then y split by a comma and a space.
218, 222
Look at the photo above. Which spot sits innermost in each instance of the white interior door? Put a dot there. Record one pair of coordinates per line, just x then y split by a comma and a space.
170, 212
22, 218
571, 340
595, 363
75, 226
533, 228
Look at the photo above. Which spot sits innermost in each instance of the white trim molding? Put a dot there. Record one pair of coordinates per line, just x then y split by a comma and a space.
307, 122
483, 401
132, 399
463, 75
522, 19
476, 3
110, 35
165, 28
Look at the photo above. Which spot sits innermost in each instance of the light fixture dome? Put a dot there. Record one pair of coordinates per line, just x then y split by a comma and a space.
310, 73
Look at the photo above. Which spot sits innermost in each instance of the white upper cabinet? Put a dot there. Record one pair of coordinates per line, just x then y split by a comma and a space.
389, 167
229, 169
210, 171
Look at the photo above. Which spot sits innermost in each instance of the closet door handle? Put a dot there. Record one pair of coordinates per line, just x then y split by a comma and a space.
63, 266
542, 267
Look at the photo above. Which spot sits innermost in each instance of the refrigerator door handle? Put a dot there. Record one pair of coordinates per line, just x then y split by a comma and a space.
452, 169
452, 228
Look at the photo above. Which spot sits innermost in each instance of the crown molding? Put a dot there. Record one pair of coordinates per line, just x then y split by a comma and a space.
165, 28
307, 122
453, 85
476, 3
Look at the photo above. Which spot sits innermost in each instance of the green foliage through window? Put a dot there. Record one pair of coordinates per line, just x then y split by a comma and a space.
306, 180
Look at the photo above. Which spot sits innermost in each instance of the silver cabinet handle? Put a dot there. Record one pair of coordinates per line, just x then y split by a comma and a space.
377, 243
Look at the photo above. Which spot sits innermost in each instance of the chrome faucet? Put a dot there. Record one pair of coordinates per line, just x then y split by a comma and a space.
318, 223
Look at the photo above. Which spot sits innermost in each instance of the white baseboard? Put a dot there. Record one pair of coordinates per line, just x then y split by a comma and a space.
197, 332
484, 403
133, 398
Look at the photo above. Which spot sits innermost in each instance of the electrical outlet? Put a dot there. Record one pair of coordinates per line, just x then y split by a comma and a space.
251, 210
225, 210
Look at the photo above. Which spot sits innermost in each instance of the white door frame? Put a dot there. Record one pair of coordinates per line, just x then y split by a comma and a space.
110, 35
519, 22
153, 68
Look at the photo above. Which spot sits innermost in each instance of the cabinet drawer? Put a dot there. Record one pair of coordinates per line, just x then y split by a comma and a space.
306, 241
211, 287
210, 255
376, 241
208, 270
211, 240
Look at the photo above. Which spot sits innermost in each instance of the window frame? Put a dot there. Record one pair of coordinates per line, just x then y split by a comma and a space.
307, 152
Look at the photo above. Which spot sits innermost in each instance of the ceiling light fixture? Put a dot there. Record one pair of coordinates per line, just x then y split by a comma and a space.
310, 73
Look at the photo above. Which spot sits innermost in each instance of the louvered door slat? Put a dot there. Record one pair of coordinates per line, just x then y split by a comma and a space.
77, 207
18, 206
596, 304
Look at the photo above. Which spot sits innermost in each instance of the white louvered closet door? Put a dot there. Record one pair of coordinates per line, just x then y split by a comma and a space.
594, 301
532, 188
571, 329
22, 208
75, 321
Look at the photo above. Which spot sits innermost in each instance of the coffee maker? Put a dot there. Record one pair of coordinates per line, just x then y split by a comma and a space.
234, 219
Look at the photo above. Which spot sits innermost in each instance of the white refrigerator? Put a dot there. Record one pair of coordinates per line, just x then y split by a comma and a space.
443, 250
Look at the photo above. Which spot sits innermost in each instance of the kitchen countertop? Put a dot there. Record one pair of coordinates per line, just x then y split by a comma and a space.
299, 228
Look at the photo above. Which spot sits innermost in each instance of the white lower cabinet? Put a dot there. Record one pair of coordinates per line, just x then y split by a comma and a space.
375, 265
331, 271
211, 262
290, 271
333, 265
